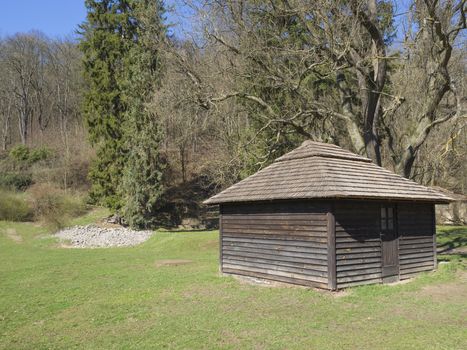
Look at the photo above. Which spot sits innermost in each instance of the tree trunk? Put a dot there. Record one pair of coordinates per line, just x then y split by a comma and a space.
183, 162
407, 161
371, 79
23, 126
6, 126
346, 102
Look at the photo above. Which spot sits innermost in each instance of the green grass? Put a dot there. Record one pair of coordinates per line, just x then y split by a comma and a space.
125, 298
452, 242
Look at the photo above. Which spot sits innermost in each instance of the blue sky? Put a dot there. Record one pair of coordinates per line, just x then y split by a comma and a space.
55, 18
59, 18
52, 17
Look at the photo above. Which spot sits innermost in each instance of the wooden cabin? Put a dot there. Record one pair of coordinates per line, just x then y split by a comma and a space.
324, 217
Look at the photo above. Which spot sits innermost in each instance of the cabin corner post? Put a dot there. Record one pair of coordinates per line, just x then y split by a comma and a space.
331, 228
220, 239
433, 228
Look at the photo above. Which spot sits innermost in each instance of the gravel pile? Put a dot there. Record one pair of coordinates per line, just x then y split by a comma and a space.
92, 236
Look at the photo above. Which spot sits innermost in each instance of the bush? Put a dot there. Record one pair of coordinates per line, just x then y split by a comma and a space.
74, 205
38, 154
28, 156
15, 181
54, 206
20, 153
14, 207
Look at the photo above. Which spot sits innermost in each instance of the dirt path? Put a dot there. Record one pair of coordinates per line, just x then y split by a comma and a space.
172, 262
454, 291
13, 235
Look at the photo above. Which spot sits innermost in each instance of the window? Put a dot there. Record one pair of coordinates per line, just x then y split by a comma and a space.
387, 218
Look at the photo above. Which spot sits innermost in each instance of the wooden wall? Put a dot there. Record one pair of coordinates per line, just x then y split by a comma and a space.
290, 241
417, 239
285, 242
358, 243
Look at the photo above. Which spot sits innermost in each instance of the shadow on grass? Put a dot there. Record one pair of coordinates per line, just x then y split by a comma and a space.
451, 256
452, 244
450, 239
186, 230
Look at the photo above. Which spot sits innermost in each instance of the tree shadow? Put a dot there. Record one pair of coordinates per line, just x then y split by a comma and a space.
189, 230
456, 238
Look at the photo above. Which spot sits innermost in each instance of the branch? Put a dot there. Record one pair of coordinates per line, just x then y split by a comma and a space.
223, 42
426, 131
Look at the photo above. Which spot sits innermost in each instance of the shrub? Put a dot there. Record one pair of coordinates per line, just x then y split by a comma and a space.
14, 207
54, 206
38, 154
15, 181
20, 153
74, 205
28, 156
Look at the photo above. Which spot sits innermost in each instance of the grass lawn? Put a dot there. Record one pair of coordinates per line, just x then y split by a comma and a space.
141, 297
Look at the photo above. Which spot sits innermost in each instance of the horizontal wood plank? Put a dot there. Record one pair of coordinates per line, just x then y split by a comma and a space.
356, 267
309, 261
272, 237
316, 248
354, 255
252, 230
314, 256
364, 277
417, 264
360, 272
276, 267
276, 278
314, 265
359, 249
359, 261
359, 283
273, 273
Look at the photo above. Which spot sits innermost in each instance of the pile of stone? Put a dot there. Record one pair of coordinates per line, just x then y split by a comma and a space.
92, 236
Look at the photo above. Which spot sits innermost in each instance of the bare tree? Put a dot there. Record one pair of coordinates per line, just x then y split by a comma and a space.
433, 94
320, 70
24, 57
65, 92
40, 87
5, 114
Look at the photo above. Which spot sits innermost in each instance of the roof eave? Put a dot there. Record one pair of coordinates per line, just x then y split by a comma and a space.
447, 200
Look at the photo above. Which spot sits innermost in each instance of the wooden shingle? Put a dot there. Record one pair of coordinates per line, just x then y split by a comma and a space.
319, 170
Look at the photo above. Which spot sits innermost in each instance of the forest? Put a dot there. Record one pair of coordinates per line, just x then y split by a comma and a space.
148, 116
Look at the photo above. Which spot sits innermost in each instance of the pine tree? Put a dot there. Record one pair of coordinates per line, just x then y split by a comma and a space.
107, 36
144, 170
122, 68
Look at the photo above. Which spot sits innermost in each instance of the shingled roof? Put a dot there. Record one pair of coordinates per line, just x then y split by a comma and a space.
320, 170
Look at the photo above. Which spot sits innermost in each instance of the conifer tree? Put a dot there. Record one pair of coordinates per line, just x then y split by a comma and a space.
144, 170
123, 68
107, 36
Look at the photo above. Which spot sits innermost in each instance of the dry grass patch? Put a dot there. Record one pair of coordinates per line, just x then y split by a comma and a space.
13, 235
172, 262
450, 292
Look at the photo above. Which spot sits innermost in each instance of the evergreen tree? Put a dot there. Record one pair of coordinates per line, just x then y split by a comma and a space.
107, 38
142, 190
122, 65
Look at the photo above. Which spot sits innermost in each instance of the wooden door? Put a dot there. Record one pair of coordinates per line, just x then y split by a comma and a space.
389, 244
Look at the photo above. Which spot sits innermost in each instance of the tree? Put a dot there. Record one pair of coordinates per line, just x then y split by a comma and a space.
430, 63
107, 37
66, 83
323, 70
25, 58
143, 177
122, 67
